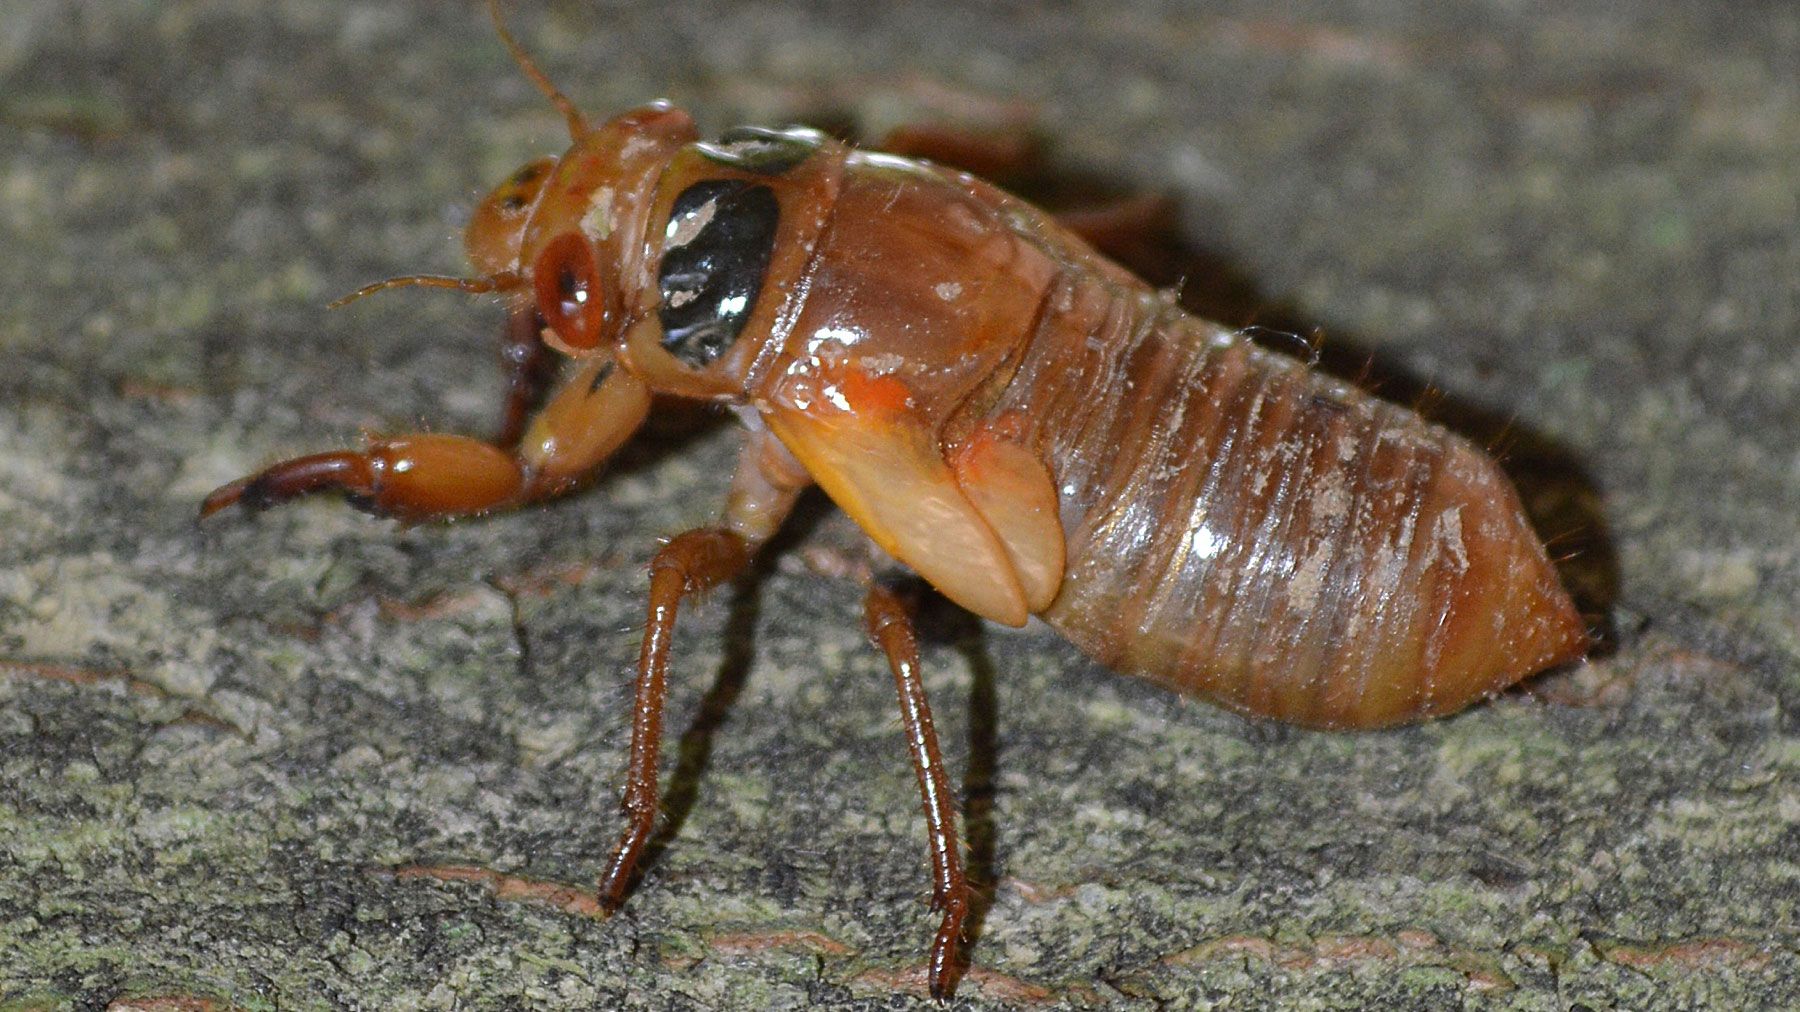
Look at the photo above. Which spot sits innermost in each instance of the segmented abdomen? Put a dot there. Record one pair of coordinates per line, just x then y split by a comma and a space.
1244, 529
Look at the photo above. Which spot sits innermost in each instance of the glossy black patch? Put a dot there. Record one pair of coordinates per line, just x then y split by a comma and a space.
763, 151
720, 237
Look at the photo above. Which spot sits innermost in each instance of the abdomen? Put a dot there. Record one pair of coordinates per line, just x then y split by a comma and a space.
1243, 529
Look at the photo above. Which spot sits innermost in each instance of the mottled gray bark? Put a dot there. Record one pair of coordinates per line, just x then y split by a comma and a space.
313, 760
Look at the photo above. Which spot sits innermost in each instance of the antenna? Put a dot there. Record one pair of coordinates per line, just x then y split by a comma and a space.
577, 122
491, 283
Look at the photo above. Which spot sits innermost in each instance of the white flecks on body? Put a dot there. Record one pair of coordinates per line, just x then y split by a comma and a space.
889, 362
1303, 589
1387, 563
829, 343
1331, 500
1448, 532
598, 222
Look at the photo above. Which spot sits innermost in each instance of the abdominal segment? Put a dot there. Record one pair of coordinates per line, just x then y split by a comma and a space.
1246, 530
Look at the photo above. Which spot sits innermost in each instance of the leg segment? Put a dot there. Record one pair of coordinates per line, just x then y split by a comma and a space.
890, 627
993, 154
764, 488
1133, 229
694, 562
411, 477
767, 482
529, 366
425, 475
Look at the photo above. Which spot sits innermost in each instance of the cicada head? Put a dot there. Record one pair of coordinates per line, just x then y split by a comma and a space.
565, 233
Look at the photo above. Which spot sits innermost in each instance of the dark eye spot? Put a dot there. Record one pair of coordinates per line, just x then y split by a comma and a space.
717, 245
512, 202
571, 289
763, 151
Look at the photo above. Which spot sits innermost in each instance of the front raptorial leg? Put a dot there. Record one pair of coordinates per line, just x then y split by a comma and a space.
890, 627
694, 562
411, 477
424, 475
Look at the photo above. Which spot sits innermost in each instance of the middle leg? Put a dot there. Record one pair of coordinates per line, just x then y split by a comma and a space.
763, 491
693, 562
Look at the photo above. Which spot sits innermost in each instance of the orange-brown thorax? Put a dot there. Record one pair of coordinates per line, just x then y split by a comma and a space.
863, 304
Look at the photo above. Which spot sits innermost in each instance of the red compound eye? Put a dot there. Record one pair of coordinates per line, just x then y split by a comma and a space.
569, 293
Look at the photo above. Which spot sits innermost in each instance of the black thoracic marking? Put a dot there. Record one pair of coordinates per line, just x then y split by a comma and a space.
763, 151
600, 376
720, 236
